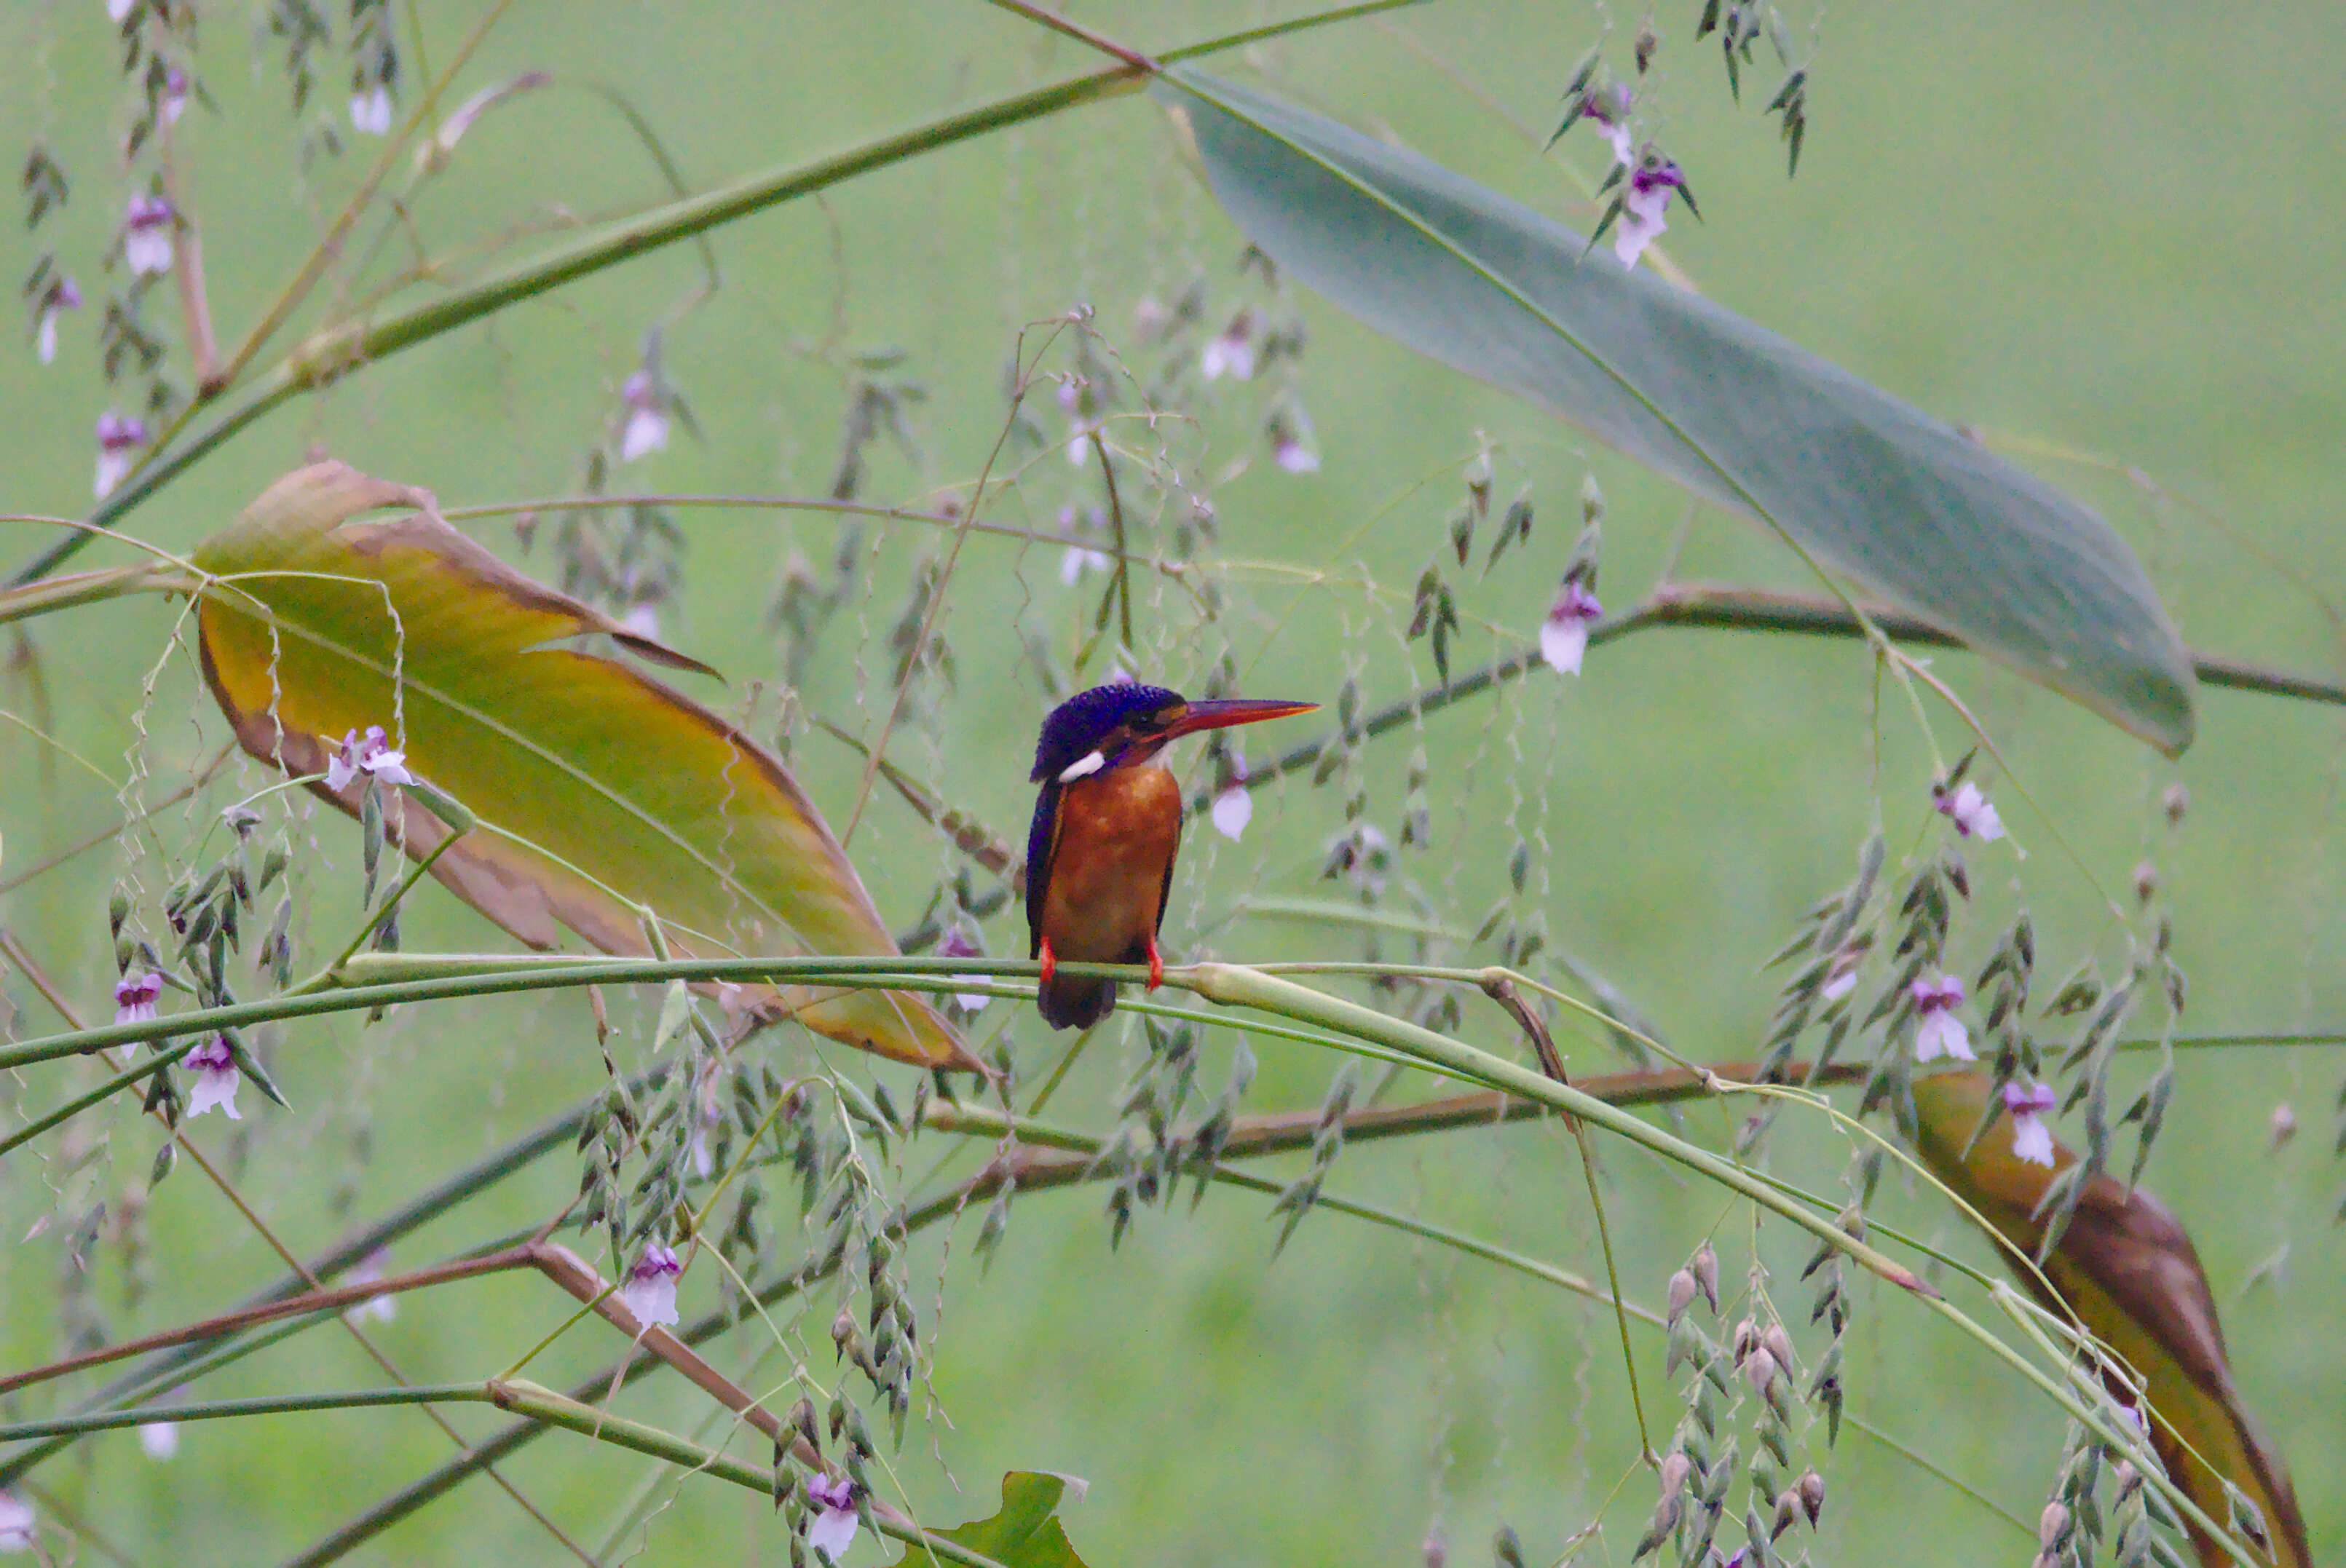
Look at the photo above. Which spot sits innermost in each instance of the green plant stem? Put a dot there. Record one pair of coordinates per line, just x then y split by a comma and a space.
429, 977
1727, 608
105, 1091
337, 349
545, 1406
197, 1357
220, 1409
1233, 986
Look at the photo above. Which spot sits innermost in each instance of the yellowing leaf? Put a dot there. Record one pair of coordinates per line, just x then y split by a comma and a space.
2126, 1268
610, 789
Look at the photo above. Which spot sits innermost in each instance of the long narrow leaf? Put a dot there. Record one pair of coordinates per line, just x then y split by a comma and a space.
1870, 487
612, 791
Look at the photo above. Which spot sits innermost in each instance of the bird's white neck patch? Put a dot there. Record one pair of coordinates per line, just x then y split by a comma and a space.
1089, 764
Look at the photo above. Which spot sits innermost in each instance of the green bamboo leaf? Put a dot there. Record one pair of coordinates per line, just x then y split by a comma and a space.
599, 790
2127, 1267
1027, 1533
1868, 485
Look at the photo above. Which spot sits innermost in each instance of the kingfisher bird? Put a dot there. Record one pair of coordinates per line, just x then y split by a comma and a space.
1107, 823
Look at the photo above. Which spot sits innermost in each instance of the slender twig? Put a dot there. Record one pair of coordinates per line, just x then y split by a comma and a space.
1123, 584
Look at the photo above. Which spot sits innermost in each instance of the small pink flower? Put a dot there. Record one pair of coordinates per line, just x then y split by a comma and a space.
135, 995
63, 294
1970, 811
1939, 1033
160, 1439
1290, 442
1078, 557
647, 428
833, 1529
1233, 809
215, 1079
650, 1291
116, 11
958, 943
1610, 111
383, 1309
1231, 351
147, 226
1644, 207
2032, 1137
370, 111
19, 1530
1840, 974
1564, 635
119, 436
174, 100
370, 753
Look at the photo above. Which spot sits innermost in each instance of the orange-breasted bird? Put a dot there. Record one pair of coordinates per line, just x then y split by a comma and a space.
1099, 859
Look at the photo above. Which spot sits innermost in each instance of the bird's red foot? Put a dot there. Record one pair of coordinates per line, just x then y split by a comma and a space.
1050, 962
1155, 965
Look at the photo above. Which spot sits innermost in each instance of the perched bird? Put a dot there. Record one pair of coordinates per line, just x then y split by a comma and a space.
1099, 858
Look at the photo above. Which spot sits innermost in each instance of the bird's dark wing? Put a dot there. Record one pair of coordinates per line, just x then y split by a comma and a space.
1165, 893
1042, 845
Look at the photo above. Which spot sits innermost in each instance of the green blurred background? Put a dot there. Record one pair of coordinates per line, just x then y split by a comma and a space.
2105, 228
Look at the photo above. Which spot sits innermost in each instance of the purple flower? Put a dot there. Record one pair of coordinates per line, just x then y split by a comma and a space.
174, 100
370, 111
19, 1530
160, 1439
62, 294
647, 427
1233, 809
833, 1529
1970, 811
1290, 442
148, 225
1610, 111
1644, 207
958, 943
650, 1291
383, 1309
370, 753
1564, 635
135, 995
1939, 1033
1078, 558
1840, 974
2032, 1139
119, 435
1231, 351
215, 1079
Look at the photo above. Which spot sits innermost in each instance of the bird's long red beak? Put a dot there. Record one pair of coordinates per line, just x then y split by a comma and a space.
1222, 712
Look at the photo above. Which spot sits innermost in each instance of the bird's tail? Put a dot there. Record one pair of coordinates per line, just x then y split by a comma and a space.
1075, 1002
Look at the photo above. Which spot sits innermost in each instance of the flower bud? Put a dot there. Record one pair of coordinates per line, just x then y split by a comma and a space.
2146, 882
1676, 1467
2283, 1124
1778, 1344
1760, 1371
1682, 1290
2052, 1526
1812, 1488
1747, 1336
1706, 1274
2177, 802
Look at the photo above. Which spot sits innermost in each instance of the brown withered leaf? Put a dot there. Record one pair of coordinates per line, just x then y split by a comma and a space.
2128, 1270
616, 791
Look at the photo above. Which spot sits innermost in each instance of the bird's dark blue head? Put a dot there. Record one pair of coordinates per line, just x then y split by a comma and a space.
1106, 719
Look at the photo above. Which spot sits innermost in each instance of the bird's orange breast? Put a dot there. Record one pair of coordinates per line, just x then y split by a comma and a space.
1117, 832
